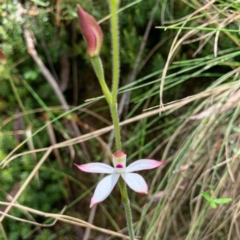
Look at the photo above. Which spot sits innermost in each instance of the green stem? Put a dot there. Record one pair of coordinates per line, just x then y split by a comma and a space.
115, 55
112, 101
97, 65
116, 126
126, 203
129, 220
115, 47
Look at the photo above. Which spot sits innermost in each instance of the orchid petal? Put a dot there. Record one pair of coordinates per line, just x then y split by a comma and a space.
136, 182
95, 168
104, 188
143, 164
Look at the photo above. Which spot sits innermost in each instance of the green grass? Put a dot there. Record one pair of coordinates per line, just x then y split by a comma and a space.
196, 130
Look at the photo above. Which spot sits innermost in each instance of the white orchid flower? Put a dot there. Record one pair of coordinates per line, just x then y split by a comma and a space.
133, 180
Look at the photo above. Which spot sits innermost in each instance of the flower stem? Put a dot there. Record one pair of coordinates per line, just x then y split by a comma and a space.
115, 119
115, 55
126, 203
129, 219
97, 65
112, 100
115, 47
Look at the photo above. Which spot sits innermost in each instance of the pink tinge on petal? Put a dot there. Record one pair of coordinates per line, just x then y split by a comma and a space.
95, 168
104, 188
145, 192
136, 182
144, 164
92, 203
119, 166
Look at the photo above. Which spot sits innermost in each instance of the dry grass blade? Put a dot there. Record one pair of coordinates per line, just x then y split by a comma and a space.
22, 188
175, 46
169, 106
58, 217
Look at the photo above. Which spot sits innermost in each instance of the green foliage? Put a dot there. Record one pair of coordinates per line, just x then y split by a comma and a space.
7, 142
45, 234
214, 201
176, 138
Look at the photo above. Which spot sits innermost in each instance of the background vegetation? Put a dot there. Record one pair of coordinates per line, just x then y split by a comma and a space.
179, 94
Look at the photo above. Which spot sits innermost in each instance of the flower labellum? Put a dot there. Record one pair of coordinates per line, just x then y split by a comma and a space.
91, 32
133, 180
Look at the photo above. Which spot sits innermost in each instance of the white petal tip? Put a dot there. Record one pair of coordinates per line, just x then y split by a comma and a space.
92, 204
104, 188
144, 192
82, 167
162, 162
95, 168
136, 182
144, 164
156, 164
78, 166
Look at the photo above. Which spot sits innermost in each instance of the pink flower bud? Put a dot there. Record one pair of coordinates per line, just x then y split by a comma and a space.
91, 32
3, 58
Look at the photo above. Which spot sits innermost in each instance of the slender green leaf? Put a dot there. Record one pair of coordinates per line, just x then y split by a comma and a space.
206, 196
222, 200
213, 205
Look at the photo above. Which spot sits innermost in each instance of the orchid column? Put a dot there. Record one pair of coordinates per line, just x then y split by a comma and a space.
119, 173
